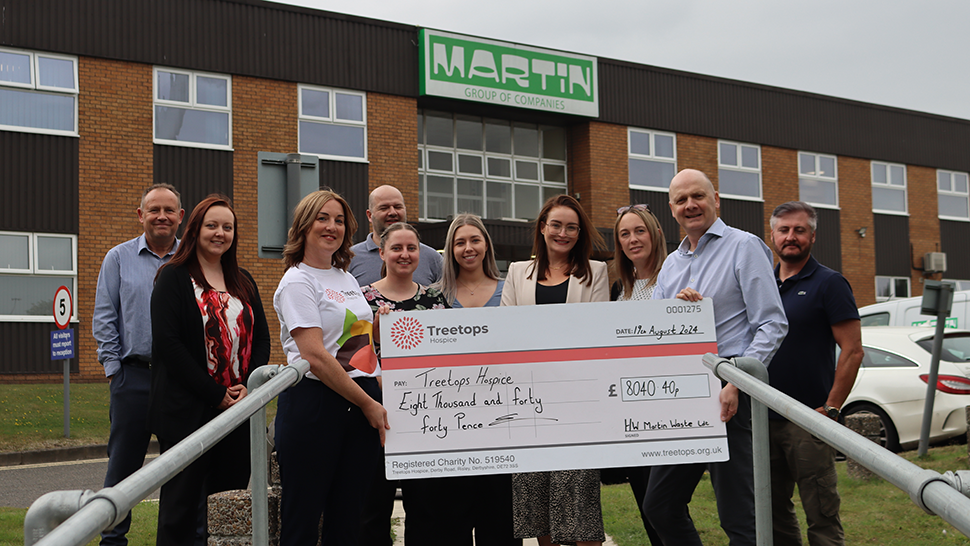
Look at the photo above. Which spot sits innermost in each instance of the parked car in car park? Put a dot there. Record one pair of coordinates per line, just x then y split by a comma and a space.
907, 312
892, 383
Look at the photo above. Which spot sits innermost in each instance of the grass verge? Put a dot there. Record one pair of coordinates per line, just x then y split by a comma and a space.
873, 511
32, 416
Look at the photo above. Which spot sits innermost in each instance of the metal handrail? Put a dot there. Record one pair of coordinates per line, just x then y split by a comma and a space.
109, 506
945, 495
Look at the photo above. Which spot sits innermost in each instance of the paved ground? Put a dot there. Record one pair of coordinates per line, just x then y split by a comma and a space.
21, 485
22, 482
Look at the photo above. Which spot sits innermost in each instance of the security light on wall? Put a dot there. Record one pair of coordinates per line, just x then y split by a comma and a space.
862, 232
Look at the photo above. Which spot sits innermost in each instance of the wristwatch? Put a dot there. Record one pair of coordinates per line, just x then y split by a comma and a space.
831, 411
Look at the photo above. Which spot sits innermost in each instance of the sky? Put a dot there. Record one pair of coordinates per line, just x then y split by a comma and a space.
901, 53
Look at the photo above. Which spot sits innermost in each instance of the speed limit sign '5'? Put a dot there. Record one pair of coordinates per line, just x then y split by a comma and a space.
63, 307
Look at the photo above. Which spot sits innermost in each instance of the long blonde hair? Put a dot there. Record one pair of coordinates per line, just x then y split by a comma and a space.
622, 267
450, 268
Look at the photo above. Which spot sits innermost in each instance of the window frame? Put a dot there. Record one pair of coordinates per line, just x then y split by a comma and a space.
820, 178
192, 104
952, 194
331, 119
510, 182
36, 87
35, 271
652, 156
888, 185
740, 168
892, 283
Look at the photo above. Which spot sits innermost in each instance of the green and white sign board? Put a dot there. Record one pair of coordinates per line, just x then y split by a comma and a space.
480, 70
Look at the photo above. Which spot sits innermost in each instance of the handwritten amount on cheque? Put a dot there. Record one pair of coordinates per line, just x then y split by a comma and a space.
425, 400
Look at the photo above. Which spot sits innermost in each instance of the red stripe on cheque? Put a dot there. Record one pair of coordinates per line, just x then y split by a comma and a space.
549, 355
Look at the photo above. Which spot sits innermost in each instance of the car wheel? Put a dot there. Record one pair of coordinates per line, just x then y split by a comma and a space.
888, 438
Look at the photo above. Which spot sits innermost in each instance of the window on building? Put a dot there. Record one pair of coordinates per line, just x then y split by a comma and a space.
193, 109
653, 159
888, 188
952, 194
38, 92
818, 179
490, 167
333, 123
889, 288
739, 170
32, 267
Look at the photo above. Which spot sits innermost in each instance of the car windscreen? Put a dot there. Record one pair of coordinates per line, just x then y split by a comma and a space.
956, 347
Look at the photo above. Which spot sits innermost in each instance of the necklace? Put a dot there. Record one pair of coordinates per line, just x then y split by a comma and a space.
470, 289
564, 264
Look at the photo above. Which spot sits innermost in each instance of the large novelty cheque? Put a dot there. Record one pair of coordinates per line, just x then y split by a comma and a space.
550, 387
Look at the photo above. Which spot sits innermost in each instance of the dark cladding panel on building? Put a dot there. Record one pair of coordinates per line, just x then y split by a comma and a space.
39, 185
25, 348
195, 173
349, 179
953, 241
893, 246
828, 239
671, 100
239, 37
746, 215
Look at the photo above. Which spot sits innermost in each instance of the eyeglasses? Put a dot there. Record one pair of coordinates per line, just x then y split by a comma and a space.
623, 210
556, 227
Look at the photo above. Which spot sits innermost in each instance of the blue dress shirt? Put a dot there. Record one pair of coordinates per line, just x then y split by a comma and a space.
122, 323
732, 267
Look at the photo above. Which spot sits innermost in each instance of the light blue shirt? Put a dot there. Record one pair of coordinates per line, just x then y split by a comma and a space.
122, 322
732, 267
494, 301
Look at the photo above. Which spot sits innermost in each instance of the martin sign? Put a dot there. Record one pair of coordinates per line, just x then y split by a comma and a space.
476, 69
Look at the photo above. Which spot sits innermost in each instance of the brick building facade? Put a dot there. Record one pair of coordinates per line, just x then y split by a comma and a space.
115, 150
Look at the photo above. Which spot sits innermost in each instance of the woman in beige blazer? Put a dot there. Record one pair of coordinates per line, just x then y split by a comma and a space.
562, 506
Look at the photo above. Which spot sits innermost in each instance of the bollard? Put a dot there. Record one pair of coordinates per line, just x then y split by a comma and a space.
867, 425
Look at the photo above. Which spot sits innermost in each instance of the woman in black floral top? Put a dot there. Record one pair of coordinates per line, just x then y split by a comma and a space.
424, 499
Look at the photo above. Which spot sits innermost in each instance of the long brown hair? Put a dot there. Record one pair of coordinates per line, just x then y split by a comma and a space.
397, 226
237, 284
586, 239
622, 266
304, 215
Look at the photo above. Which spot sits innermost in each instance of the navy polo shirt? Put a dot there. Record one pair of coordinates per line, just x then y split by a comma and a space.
814, 299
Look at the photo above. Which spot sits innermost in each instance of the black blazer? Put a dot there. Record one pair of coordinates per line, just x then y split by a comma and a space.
183, 394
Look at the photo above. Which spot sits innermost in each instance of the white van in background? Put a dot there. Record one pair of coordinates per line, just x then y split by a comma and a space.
906, 312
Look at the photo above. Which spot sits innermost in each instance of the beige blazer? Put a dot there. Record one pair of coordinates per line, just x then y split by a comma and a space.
520, 290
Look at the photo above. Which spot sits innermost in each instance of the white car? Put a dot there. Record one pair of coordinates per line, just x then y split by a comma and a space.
892, 383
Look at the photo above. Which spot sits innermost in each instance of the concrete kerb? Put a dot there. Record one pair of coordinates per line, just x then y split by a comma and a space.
62, 454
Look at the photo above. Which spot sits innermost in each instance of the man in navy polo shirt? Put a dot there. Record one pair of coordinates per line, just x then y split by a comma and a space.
821, 313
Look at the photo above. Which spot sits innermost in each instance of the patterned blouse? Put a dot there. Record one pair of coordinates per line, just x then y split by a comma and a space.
228, 325
425, 298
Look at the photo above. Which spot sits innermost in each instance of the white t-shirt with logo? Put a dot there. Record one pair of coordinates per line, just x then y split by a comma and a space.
329, 299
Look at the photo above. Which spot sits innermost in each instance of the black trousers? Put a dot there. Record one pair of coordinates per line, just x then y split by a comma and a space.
444, 511
224, 467
326, 450
129, 436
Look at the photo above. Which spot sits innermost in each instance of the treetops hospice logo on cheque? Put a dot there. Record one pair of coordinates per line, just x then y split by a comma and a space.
407, 332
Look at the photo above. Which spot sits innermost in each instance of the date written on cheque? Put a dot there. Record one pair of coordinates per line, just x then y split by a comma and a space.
667, 387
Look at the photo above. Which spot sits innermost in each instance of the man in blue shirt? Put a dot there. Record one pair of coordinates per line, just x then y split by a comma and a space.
733, 268
122, 327
385, 206
821, 313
